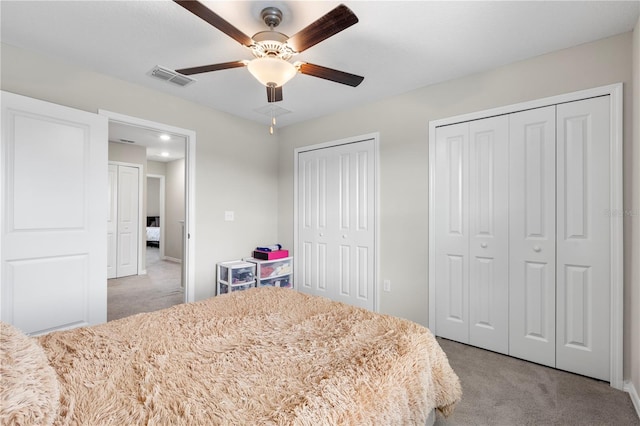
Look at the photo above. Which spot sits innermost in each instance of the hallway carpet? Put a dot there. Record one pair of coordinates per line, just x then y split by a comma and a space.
498, 390
159, 288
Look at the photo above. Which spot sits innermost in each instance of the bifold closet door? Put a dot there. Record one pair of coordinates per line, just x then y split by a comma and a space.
452, 231
583, 237
532, 235
472, 233
489, 234
128, 218
336, 222
122, 221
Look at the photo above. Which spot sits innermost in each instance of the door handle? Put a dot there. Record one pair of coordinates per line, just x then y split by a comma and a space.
344, 237
537, 249
484, 245
320, 234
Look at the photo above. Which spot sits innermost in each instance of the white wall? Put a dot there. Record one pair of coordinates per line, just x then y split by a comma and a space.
153, 196
403, 125
156, 168
236, 161
174, 209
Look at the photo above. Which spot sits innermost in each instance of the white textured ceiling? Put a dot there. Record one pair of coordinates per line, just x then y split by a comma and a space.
398, 46
157, 148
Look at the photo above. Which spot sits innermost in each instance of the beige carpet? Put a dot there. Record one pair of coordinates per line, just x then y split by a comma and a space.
501, 391
158, 289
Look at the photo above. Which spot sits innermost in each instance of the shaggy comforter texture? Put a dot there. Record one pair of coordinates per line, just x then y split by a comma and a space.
260, 356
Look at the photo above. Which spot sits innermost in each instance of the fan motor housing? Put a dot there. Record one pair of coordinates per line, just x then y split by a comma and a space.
272, 16
271, 43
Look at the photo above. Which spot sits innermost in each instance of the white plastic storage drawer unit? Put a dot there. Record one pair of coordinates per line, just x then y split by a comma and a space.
235, 275
274, 273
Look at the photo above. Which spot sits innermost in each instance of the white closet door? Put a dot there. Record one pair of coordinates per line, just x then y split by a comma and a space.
355, 239
337, 223
311, 273
583, 243
452, 231
489, 234
112, 222
128, 218
532, 235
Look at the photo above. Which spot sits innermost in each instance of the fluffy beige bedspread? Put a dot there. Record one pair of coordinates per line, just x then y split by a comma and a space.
261, 356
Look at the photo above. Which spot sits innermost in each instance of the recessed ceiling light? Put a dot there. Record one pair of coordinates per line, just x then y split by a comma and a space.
165, 154
165, 137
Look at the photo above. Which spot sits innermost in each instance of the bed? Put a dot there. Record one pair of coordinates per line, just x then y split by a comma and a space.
153, 231
266, 355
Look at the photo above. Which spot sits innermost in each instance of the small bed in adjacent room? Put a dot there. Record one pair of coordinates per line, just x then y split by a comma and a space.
264, 356
153, 231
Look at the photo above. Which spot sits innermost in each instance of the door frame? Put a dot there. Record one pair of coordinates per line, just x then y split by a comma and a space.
162, 213
376, 205
614, 91
189, 194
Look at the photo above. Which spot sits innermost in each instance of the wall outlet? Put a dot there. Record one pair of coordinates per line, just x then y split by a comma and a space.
386, 285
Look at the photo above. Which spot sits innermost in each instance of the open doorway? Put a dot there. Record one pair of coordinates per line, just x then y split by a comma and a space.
165, 215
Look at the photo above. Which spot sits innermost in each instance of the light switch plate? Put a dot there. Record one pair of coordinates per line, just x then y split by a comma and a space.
229, 216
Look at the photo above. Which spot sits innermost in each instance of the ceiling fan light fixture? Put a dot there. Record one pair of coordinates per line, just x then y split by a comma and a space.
272, 71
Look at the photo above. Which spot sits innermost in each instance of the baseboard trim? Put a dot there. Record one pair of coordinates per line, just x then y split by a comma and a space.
633, 393
172, 259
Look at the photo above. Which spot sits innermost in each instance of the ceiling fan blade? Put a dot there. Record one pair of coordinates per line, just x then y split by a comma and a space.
330, 74
206, 14
328, 25
212, 67
274, 94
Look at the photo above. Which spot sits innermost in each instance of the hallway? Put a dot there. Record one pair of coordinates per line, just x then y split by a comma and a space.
158, 289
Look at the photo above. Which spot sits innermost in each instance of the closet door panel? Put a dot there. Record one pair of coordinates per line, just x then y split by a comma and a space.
355, 236
314, 226
532, 235
128, 234
451, 233
489, 233
583, 243
336, 217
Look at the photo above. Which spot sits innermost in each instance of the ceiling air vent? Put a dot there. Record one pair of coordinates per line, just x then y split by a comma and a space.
272, 110
170, 76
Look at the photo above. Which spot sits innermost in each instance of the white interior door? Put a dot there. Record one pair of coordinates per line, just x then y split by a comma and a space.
128, 226
532, 235
336, 223
583, 237
489, 233
54, 174
452, 231
112, 221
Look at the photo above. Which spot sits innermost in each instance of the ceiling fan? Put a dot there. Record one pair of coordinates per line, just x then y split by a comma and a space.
273, 50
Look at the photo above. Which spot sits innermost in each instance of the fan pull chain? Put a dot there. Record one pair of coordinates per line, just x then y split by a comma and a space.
273, 116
